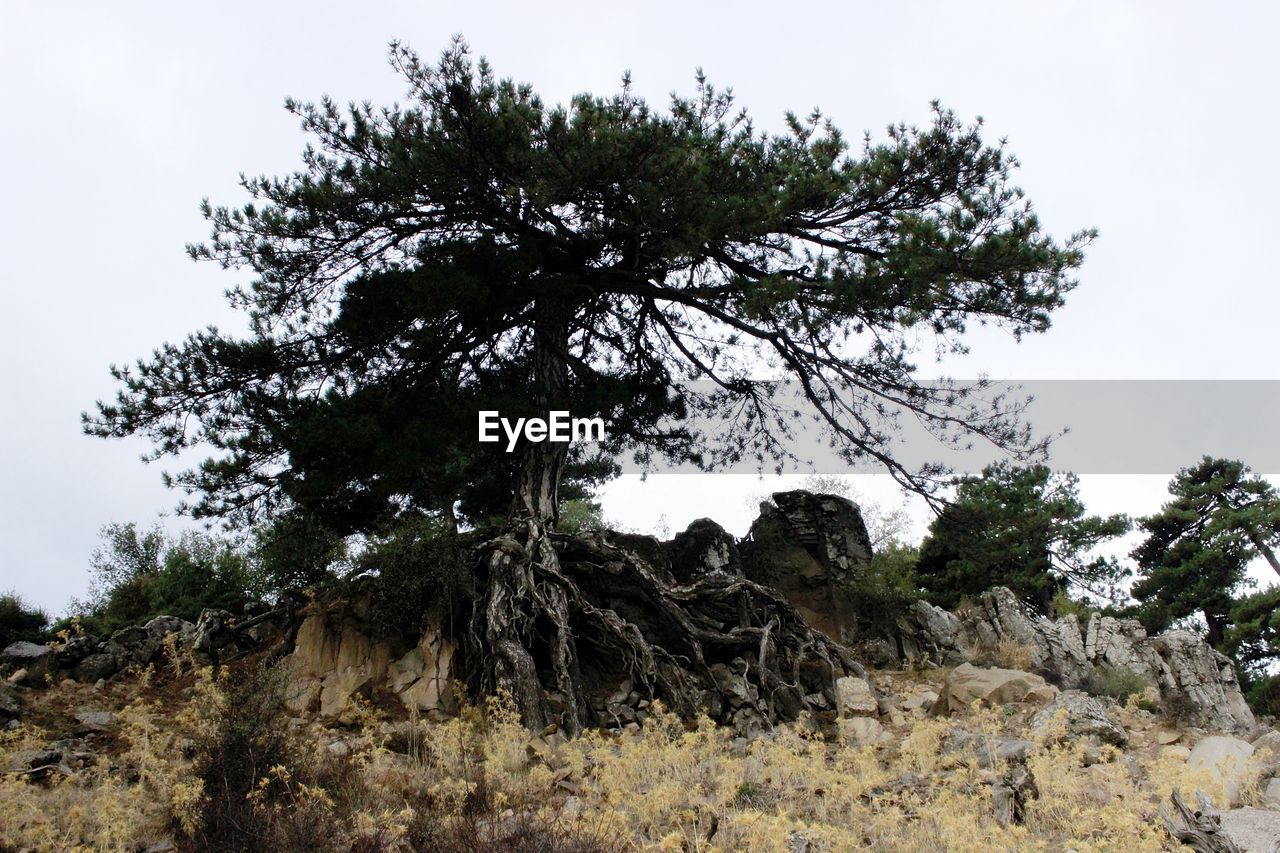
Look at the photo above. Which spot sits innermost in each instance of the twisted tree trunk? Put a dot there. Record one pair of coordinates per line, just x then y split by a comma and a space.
563, 618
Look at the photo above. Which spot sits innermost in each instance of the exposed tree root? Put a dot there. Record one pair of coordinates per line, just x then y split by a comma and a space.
563, 618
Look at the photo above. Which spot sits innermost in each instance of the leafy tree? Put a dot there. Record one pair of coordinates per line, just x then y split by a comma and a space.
480, 249
1198, 547
1020, 527
19, 620
139, 574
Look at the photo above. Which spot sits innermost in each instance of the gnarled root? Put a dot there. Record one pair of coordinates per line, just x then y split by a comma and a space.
564, 618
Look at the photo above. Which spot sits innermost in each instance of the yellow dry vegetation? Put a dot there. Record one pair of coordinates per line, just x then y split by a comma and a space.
667, 786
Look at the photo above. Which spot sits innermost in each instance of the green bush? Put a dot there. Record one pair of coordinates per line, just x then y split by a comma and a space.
423, 575
1263, 695
19, 620
295, 552
141, 574
886, 589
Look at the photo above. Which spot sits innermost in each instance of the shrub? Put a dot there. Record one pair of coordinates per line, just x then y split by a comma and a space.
424, 575
1115, 683
296, 552
886, 589
141, 574
19, 620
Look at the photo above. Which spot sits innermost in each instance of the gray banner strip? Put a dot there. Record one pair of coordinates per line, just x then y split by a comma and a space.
1113, 427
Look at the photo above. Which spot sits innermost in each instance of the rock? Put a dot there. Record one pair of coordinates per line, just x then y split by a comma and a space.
1268, 740
702, 548
1226, 759
93, 721
864, 731
1164, 737
921, 701
735, 688
1203, 679
926, 632
857, 699
1271, 793
36, 659
10, 704
967, 684
334, 658
1056, 647
1179, 753
1085, 717
95, 667
1014, 750
213, 633
1252, 829
813, 549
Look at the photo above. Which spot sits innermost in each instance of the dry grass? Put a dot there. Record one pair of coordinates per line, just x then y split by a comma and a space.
473, 783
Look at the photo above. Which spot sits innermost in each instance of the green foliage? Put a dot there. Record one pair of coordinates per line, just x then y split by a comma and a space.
19, 620
886, 589
1118, 684
295, 552
141, 574
1064, 605
479, 248
580, 515
1198, 547
1253, 639
1263, 695
424, 576
1020, 527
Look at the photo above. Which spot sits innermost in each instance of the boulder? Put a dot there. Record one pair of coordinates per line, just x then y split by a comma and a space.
813, 549
857, 699
1226, 759
1203, 679
1085, 717
10, 704
35, 659
864, 731
94, 667
703, 547
90, 721
1252, 830
1271, 793
967, 684
926, 632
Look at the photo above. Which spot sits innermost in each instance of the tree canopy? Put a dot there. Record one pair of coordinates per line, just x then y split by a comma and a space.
1198, 547
479, 248
1020, 527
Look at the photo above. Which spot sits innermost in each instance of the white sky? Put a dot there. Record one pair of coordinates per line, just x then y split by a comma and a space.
1153, 122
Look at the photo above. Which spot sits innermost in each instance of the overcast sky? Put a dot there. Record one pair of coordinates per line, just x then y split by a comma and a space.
1154, 122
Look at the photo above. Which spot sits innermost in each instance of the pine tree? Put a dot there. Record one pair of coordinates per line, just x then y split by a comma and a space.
1020, 527
1198, 547
480, 249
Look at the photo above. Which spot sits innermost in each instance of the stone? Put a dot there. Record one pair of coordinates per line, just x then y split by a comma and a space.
864, 731
813, 549
93, 721
1085, 717
36, 659
921, 701
703, 547
1252, 829
1269, 740
1271, 793
10, 704
1055, 647
967, 684
1178, 753
94, 667
1226, 759
1204, 679
1164, 737
928, 633
856, 697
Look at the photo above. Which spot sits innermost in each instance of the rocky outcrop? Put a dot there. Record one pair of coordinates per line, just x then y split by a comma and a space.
336, 656
30, 662
1188, 675
1083, 716
703, 547
967, 684
928, 633
813, 549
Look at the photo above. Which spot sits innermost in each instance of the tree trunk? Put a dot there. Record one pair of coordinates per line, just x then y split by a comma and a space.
1267, 553
1217, 626
538, 496
563, 619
